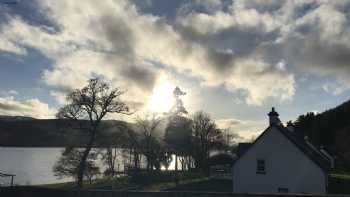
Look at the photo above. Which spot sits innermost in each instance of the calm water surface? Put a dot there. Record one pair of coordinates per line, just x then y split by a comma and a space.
33, 166
30, 165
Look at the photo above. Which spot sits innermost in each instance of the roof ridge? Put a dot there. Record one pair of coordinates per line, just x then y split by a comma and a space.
313, 154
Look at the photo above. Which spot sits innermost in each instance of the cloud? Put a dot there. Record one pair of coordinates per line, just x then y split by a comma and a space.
251, 46
9, 93
335, 88
318, 42
241, 15
30, 107
246, 129
310, 36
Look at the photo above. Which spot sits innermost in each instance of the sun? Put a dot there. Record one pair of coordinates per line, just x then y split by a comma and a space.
162, 98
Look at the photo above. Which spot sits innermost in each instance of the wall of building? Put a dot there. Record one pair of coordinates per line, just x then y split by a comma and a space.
286, 167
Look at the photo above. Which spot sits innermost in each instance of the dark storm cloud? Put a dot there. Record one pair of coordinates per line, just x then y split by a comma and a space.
8, 107
224, 47
264, 6
332, 57
142, 77
321, 43
119, 34
221, 61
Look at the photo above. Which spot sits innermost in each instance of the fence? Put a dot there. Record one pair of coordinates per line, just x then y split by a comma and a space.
5, 176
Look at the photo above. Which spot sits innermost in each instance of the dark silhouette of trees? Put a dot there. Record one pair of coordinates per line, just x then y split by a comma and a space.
92, 103
110, 158
192, 139
150, 142
206, 136
178, 134
178, 131
68, 164
329, 129
113, 145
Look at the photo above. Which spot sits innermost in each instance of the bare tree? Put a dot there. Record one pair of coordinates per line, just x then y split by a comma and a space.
92, 103
68, 164
110, 158
150, 143
205, 136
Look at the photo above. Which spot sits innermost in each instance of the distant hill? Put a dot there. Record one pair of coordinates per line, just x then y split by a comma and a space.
330, 129
26, 131
15, 118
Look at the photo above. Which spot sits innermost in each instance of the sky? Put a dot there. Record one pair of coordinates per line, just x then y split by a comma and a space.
234, 59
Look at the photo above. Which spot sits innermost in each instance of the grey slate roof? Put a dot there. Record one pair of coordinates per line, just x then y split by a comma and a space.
242, 148
311, 152
315, 155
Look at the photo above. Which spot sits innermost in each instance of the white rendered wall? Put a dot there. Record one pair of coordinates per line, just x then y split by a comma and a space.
286, 167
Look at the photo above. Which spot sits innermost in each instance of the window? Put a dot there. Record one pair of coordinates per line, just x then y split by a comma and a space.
283, 190
260, 166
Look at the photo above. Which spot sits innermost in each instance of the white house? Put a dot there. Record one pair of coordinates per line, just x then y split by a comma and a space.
279, 161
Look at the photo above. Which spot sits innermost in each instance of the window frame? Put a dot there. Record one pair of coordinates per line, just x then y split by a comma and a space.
261, 166
283, 190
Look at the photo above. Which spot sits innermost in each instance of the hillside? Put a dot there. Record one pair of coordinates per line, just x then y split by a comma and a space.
330, 129
25, 131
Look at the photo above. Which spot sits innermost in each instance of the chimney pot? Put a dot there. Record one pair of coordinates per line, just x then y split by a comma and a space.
273, 117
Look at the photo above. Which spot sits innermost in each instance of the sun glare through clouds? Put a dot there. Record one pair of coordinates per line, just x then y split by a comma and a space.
162, 98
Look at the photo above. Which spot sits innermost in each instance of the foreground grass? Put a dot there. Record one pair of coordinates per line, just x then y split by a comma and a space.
338, 184
196, 184
104, 183
125, 183
341, 176
167, 186
205, 185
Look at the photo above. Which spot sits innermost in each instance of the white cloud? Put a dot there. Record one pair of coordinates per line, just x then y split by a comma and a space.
239, 16
8, 93
30, 107
263, 81
335, 88
251, 45
313, 36
246, 129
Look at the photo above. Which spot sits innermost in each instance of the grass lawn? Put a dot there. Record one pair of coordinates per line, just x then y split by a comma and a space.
205, 185
105, 183
195, 184
339, 184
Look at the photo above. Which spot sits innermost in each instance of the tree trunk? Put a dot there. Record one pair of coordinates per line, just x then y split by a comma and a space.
148, 163
136, 159
176, 163
82, 164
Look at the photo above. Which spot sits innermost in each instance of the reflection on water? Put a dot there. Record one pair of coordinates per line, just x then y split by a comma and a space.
33, 166
30, 165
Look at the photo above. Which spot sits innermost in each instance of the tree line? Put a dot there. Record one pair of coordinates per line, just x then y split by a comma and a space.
330, 130
154, 140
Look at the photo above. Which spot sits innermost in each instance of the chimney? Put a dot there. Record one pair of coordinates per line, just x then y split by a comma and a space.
273, 117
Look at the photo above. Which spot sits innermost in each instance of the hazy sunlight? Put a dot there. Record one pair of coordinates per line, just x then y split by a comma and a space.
162, 98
